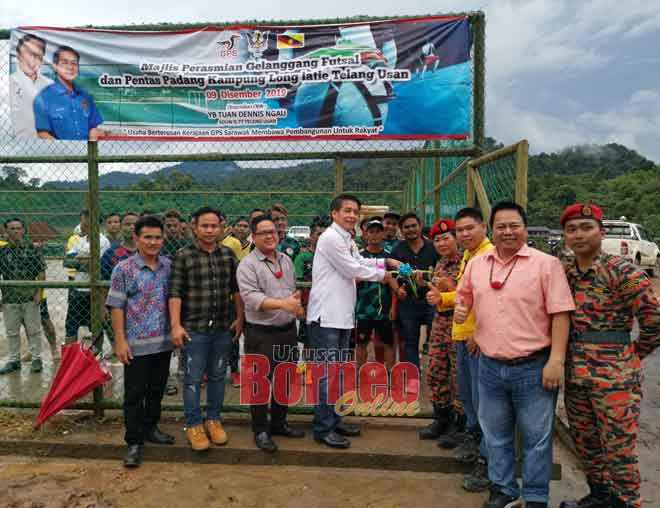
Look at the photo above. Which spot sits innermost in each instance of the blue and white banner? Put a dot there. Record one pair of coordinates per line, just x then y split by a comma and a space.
397, 79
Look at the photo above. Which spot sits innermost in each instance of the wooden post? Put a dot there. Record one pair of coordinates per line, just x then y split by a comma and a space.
480, 191
339, 176
522, 154
470, 198
95, 258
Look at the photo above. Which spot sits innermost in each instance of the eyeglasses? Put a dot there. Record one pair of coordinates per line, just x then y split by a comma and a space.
270, 232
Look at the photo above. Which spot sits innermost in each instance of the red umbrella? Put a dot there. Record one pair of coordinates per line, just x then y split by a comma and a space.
77, 375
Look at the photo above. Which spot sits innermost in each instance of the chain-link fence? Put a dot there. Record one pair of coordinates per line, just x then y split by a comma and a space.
46, 184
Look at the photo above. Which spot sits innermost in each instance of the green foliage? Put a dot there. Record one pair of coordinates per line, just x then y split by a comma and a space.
617, 179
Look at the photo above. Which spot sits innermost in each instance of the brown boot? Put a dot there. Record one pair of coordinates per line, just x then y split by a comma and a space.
215, 432
197, 438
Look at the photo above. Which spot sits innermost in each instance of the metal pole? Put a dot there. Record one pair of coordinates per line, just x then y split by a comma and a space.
436, 190
95, 258
479, 100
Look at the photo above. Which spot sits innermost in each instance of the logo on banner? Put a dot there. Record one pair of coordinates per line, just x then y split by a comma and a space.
228, 45
290, 41
257, 42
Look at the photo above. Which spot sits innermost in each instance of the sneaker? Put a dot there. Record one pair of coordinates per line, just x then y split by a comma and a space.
27, 357
477, 480
215, 432
197, 438
499, 499
468, 451
10, 367
235, 379
37, 366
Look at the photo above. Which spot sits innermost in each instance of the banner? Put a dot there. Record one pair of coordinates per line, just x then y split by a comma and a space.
399, 79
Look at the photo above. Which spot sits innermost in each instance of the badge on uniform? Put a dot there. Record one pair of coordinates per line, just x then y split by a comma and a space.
289, 251
443, 227
586, 211
84, 103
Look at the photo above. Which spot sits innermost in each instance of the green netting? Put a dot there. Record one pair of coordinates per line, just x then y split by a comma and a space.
499, 179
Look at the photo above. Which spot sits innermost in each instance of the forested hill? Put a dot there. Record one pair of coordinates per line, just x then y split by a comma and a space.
622, 181
618, 179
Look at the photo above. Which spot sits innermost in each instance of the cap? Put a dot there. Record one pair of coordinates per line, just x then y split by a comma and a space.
441, 227
375, 223
581, 211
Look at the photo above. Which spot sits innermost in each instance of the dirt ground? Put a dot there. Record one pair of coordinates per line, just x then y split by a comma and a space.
39, 483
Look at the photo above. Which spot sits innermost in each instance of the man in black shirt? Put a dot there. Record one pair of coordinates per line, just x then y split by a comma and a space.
413, 309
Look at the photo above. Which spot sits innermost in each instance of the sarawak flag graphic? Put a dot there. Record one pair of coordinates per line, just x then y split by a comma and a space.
289, 41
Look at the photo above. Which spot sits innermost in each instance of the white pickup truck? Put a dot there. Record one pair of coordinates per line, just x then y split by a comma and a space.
631, 241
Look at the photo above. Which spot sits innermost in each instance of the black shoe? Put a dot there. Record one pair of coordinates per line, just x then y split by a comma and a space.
133, 456
155, 435
598, 497
287, 431
265, 442
498, 499
347, 430
454, 435
333, 440
468, 451
441, 419
477, 480
10, 367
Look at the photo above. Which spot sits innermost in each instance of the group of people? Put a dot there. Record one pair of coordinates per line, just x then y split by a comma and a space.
50, 109
512, 326
508, 326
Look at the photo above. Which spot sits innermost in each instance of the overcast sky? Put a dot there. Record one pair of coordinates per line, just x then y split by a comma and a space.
559, 72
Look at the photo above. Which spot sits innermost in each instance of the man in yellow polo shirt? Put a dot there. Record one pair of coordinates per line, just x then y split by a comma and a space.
471, 235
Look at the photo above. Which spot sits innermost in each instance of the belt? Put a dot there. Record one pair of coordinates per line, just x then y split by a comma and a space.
601, 337
524, 359
276, 328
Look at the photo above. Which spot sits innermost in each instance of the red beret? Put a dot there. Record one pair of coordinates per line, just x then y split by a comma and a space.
581, 211
441, 227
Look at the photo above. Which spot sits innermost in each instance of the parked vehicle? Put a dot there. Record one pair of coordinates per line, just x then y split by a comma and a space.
631, 241
299, 232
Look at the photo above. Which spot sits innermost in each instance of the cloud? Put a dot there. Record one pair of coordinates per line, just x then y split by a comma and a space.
635, 124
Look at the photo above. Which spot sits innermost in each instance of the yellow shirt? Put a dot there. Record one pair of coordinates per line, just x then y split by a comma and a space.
69, 245
461, 332
234, 244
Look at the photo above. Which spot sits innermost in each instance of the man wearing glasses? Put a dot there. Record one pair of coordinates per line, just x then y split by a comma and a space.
267, 283
64, 110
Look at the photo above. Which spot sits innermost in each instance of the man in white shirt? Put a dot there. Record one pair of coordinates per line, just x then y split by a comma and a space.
26, 83
78, 312
331, 309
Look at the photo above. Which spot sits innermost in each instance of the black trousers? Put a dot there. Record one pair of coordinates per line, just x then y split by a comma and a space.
144, 385
261, 340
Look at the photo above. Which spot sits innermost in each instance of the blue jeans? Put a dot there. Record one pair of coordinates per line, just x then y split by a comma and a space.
412, 315
513, 396
467, 379
334, 343
205, 353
